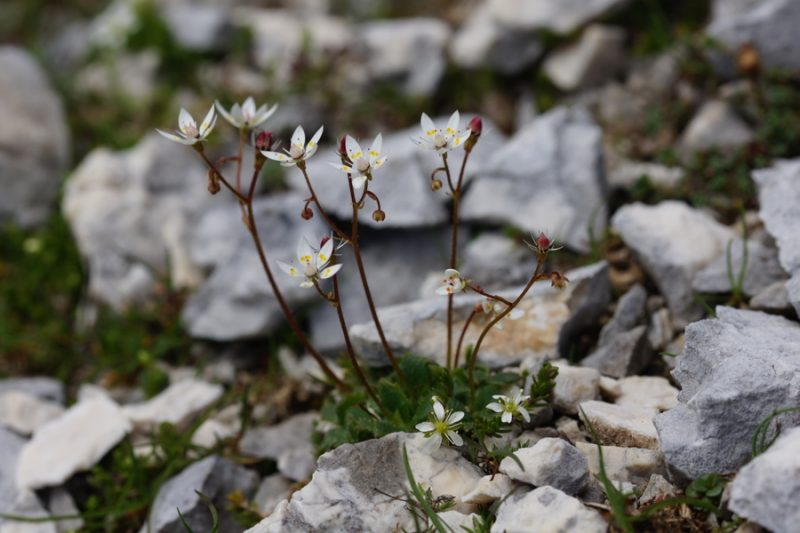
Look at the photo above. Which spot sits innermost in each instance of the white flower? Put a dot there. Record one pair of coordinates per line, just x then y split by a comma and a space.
452, 283
442, 141
314, 263
510, 407
246, 115
362, 164
493, 308
299, 150
188, 133
442, 424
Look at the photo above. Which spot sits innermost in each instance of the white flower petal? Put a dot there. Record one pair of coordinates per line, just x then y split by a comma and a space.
428, 127
454, 438
452, 124
378, 163
176, 138
307, 284
525, 414
263, 114
185, 121
249, 108
452, 273
276, 156
324, 255
425, 426
305, 253
353, 148
299, 137
445, 290
506, 417
313, 144
494, 406
359, 181
455, 417
375, 148
438, 410
208, 122
288, 268
436, 441
227, 116
330, 271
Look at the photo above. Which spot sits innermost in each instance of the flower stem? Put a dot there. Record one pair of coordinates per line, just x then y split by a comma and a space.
365, 283
337, 303
535, 277
331, 224
482, 292
252, 228
461, 337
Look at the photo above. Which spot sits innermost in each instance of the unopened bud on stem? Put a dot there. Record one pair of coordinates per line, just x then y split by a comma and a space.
436, 184
378, 215
307, 213
475, 128
264, 140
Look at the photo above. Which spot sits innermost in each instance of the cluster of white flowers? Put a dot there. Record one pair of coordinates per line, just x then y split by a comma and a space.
442, 140
362, 164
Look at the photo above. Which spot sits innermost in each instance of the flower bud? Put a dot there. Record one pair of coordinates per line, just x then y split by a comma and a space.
213, 182
476, 126
324, 240
307, 213
543, 242
378, 215
436, 184
264, 140
343, 146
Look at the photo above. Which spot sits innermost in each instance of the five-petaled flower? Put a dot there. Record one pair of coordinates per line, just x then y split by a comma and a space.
362, 163
452, 283
442, 423
314, 264
510, 406
442, 140
246, 116
188, 133
298, 151
493, 308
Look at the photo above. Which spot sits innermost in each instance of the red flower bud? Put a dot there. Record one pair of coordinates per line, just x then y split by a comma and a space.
543, 241
476, 125
264, 140
343, 146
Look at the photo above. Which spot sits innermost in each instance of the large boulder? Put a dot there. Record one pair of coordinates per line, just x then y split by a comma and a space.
34, 143
735, 370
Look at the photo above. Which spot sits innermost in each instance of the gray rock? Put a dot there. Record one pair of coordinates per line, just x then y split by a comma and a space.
408, 50
198, 26
175, 405
91, 427
482, 42
627, 426
42, 387
130, 212
130, 76
34, 143
216, 478
769, 26
573, 386
766, 490
60, 503
550, 510
657, 488
272, 490
590, 303
734, 371
347, 491
279, 36
672, 241
497, 261
760, 271
392, 278
236, 300
552, 462
773, 298
595, 58
624, 465
554, 15
24, 413
778, 194
715, 125
624, 174
623, 348
10, 446
419, 327
288, 443
531, 181
403, 183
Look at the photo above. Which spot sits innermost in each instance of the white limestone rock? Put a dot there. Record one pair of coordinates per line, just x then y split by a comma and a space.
24, 413
715, 125
595, 58
621, 426
343, 494
649, 392
552, 462
624, 465
550, 510
559, 16
672, 241
574, 385
288, 443
176, 405
489, 488
91, 427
